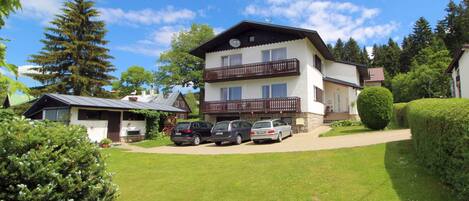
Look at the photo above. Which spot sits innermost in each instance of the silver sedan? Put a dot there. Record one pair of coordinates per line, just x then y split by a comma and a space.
274, 129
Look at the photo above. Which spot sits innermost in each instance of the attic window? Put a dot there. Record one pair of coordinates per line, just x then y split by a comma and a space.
252, 38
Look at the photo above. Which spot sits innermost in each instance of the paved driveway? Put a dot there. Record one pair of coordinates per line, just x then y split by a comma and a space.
299, 142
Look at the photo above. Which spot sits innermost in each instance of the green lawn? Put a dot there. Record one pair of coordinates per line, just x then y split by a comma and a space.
378, 172
161, 141
348, 130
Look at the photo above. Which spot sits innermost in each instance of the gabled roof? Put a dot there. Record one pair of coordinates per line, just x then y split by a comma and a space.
225, 36
82, 101
376, 74
168, 99
456, 58
341, 82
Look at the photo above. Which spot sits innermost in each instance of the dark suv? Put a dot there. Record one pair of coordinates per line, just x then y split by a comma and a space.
191, 132
235, 132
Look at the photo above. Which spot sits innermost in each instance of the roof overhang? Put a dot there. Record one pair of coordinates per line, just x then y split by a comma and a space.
341, 82
223, 37
456, 58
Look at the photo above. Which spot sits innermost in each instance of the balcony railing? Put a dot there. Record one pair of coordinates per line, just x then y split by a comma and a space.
287, 67
288, 104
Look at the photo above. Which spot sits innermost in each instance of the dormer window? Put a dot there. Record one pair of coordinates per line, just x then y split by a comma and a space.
231, 60
274, 54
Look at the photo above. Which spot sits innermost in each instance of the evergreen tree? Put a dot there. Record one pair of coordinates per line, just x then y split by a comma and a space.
351, 51
392, 55
74, 59
406, 55
420, 38
454, 28
364, 58
338, 52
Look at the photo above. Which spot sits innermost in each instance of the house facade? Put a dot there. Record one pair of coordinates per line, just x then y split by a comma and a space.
259, 71
459, 71
103, 118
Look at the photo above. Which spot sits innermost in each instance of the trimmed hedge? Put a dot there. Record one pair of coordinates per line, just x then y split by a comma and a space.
51, 161
399, 118
440, 134
375, 107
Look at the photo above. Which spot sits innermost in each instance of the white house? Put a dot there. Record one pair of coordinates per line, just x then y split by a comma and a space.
257, 71
459, 71
103, 118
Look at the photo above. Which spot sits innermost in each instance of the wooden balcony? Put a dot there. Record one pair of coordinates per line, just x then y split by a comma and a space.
270, 105
287, 67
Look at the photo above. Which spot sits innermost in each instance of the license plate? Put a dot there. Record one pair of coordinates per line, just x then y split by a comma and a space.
260, 132
177, 133
219, 133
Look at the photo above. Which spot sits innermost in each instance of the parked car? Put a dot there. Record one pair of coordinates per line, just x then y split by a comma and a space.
235, 132
274, 129
191, 132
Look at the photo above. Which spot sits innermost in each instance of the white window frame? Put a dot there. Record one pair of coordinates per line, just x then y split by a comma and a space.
229, 59
228, 89
270, 54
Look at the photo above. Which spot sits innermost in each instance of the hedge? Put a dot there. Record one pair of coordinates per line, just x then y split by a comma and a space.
399, 118
51, 161
375, 107
440, 134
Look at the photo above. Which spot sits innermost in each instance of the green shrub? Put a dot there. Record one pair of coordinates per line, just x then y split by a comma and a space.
105, 141
6, 115
343, 123
399, 118
51, 161
440, 134
375, 107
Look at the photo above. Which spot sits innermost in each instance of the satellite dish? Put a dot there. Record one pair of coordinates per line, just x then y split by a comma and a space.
235, 43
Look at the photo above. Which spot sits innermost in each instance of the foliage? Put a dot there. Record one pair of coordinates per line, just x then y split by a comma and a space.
375, 107
6, 115
192, 102
387, 171
74, 59
387, 56
152, 121
350, 51
133, 79
346, 130
178, 67
399, 119
454, 27
343, 123
440, 133
105, 141
51, 161
420, 38
8, 84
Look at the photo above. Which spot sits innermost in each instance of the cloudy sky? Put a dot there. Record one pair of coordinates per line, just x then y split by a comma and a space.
139, 30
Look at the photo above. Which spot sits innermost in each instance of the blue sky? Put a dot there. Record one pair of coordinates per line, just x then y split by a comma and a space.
139, 30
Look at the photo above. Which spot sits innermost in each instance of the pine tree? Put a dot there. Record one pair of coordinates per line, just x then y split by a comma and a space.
74, 59
420, 38
364, 58
339, 50
392, 55
351, 51
454, 28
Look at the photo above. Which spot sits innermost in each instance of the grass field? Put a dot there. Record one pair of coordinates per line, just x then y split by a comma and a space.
349, 130
378, 172
160, 141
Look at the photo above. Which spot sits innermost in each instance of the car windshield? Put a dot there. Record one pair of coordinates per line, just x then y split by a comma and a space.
183, 125
221, 126
262, 124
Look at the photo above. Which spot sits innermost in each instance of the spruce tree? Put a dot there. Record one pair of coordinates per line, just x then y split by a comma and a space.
364, 58
454, 28
352, 51
74, 59
420, 38
339, 50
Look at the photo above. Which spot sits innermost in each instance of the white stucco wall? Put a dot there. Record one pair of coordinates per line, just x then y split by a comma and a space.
345, 72
464, 74
97, 129
337, 97
297, 86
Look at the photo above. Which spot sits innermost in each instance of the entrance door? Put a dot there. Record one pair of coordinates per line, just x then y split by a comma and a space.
337, 101
114, 126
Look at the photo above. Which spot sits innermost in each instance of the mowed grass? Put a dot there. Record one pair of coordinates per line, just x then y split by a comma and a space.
349, 130
160, 141
378, 172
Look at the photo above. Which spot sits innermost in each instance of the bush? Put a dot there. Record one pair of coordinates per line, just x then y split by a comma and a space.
343, 123
6, 115
105, 141
399, 118
51, 161
375, 107
440, 134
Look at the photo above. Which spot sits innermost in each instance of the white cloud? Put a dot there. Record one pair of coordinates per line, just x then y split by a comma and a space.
369, 50
332, 20
145, 16
26, 69
43, 10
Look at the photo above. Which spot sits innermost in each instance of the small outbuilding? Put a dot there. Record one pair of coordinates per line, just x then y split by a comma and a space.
103, 118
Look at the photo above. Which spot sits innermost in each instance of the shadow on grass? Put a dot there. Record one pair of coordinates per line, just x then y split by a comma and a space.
409, 179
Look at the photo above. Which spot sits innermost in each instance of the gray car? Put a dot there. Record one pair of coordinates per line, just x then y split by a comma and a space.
274, 129
236, 132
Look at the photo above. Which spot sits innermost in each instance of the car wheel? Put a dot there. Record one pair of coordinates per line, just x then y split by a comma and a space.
178, 143
238, 140
279, 138
196, 140
256, 141
218, 143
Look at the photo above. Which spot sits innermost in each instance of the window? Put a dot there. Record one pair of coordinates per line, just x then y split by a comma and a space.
276, 123
232, 93
318, 95
231, 60
317, 63
287, 120
130, 116
56, 114
279, 90
274, 54
91, 115
245, 125
266, 91
195, 125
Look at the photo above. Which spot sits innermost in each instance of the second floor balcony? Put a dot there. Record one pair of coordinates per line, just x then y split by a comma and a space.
267, 105
287, 67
